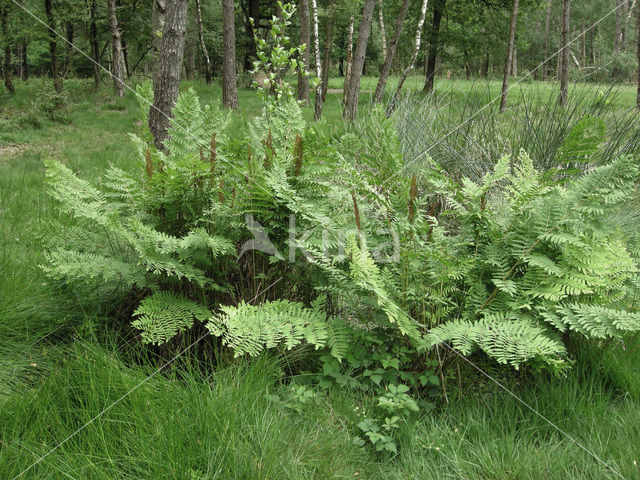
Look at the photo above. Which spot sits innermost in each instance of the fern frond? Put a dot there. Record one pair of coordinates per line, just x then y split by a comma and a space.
249, 329
163, 315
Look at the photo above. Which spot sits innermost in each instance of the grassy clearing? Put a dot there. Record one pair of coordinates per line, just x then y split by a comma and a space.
58, 370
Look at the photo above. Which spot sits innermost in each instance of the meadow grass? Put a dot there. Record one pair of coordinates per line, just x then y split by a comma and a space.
60, 368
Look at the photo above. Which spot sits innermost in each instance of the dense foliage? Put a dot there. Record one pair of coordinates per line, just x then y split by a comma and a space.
302, 236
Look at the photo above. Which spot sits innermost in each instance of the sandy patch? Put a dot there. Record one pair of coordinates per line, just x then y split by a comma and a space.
7, 152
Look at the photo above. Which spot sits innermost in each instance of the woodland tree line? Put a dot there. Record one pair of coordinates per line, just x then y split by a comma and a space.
172, 39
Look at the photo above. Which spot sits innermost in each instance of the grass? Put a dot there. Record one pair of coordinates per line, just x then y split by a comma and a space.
59, 370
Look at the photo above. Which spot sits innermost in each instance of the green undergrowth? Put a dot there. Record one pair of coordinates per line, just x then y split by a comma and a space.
62, 371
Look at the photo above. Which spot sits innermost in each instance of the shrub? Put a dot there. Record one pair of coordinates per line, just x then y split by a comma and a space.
53, 106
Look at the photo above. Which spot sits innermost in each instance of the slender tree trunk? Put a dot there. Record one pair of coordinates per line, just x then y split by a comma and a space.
125, 56
347, 75
328, 42
8, 82
584, 44
485, 66
93, 41
189, 58
117, 65
616, 40
305, 39
253, 12
316, 44
514, 64
564, 73
416, 49
351, 103
68, 49
438, 10
383, 32
203, 46
545, 48
166, 75
623, 25
53, 48
509, 60
590, 52
24, 70
229, 87
391, 52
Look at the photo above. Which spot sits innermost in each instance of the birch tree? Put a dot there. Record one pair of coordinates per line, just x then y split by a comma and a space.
391, 52
347, 72
316, 46
416, 49
355, 74
383, 33
203, 45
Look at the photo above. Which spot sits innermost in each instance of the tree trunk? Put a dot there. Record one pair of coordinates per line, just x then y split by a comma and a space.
347, 75
564, 69
485, 66
203, 46
623, 24
509, 60
584, 44
316, 44
252, 12
616, 40
383, 33
229, 87
166, 75
53, 48
514, 64
545, 48
68, 49
189, 58
125, 56
117, 65
158, 9
24, 70
391, 52
326, 61
351, 102
438, 10
305, 39
8, 82
416, 49
93, 41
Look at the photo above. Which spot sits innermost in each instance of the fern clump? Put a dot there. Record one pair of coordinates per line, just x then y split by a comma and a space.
546, 259
305, 221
